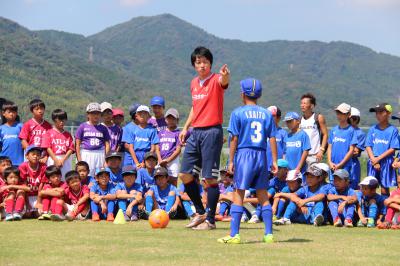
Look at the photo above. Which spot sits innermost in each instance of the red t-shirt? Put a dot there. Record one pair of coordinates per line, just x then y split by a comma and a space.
395, 192
2, 183
33, 132
207, 101
49, 186
33, 177
58, 142
72, 198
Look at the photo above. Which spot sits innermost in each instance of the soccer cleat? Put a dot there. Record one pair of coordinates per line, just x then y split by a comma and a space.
70, 216
348, 223
134, 218
198, 219
244, 218
360, 224
110, 217
371, 223
268, 238
44, 216
254, 219
95, 217
282, 221
319, 220
206, 225
126, 217
17, 216
230, 240
9, 217
57, 217
274, 218
338, 222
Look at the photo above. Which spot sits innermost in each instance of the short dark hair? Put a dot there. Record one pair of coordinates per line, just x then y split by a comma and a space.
11, 170
70, 175
36, 103
9, 105
311, 97
52, 170
357, 119
59, 114
5, 159
82, 163
200, 52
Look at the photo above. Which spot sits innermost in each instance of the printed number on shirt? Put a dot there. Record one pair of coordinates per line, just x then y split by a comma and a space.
256, 137
60, 149
165, 147
94, 142
36, 141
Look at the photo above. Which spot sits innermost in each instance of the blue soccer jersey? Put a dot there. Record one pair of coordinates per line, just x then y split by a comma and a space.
115, 178
275, 186
99, 191
161, 196
296, 144
363, 201
128, 136
340, 140
144, 138
346, 192
252, 124
286, 189
10, 144
280, 138
381, 140
145, 179
361, 136
305, 193
135, 187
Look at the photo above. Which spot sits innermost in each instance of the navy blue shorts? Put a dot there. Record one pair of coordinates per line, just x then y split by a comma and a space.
203, 151
251, 170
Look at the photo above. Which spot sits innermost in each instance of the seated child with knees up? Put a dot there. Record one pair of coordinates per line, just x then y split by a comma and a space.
225, 196
145, 176
33, 174
114, 161
307, 204
76, 196
370, 205
162, 195
342, 199
102, 194
129, 193
83, 170
392, 209
282, 198
52, 195
187, 203
13, 194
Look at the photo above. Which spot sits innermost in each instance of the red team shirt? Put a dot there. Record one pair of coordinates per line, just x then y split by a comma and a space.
33, 132
58, 142
49, 186
207, 101
32, 177
71, 198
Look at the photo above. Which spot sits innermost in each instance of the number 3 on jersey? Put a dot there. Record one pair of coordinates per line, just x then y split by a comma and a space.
257, 136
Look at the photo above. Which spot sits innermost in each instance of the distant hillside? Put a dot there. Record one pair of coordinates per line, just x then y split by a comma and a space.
149, 56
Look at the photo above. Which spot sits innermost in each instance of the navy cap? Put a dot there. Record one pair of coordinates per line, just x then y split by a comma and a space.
129, 170
150, 154
102, 170
157, 100
251, 87
133, 108
394, 117
33, 148
111, 154
291, 115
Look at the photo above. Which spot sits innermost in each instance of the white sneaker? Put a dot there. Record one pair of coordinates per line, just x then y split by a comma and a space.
244, 218
319, 220
282, 221
254, 219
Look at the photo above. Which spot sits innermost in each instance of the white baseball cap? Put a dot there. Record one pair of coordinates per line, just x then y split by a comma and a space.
292, 176
143, 108
93, 107
323, 166
344, 108
355, 112
105, 105
173, 112
369, 181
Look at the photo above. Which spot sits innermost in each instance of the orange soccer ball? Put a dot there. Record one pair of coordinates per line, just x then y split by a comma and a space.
158, 219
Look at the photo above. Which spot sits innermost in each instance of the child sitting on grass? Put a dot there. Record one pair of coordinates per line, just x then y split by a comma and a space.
370, 205
76, 197
392, 209
129, 193
102, 194
83, 170
342, 199
187, 204
225, 196
13, 194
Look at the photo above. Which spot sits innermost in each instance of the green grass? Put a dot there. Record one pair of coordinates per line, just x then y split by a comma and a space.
32, 242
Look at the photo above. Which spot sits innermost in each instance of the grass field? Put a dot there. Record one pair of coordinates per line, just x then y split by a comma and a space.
31, 242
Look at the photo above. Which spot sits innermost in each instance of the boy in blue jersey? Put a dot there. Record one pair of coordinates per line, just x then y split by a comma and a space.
129, 193
280, 137
355, 118
370, 205
145, 176
225, 196
278, 182
250, 126
128, 135
145, 138
102, 195
341, 141
307, 204
282, 198
297, 143
187, 204
162, 195
381, 143
113, 161
396, 162
342, 199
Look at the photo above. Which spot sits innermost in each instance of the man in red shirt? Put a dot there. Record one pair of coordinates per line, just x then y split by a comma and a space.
203, 148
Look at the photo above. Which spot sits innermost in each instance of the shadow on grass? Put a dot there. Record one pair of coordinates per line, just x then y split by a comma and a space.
292, 240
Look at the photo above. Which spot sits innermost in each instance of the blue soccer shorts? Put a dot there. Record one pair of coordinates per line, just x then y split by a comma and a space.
387, 175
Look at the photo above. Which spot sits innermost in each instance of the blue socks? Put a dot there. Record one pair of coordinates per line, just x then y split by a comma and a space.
280, 209
373, 211
170, 202
333, 208
187, 207
236, 214
266, 214
149, 204
212, 200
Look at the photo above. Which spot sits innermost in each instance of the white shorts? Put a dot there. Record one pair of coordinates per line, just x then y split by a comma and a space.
67, 166
95, 159
79, 216
32, 202
173, 167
